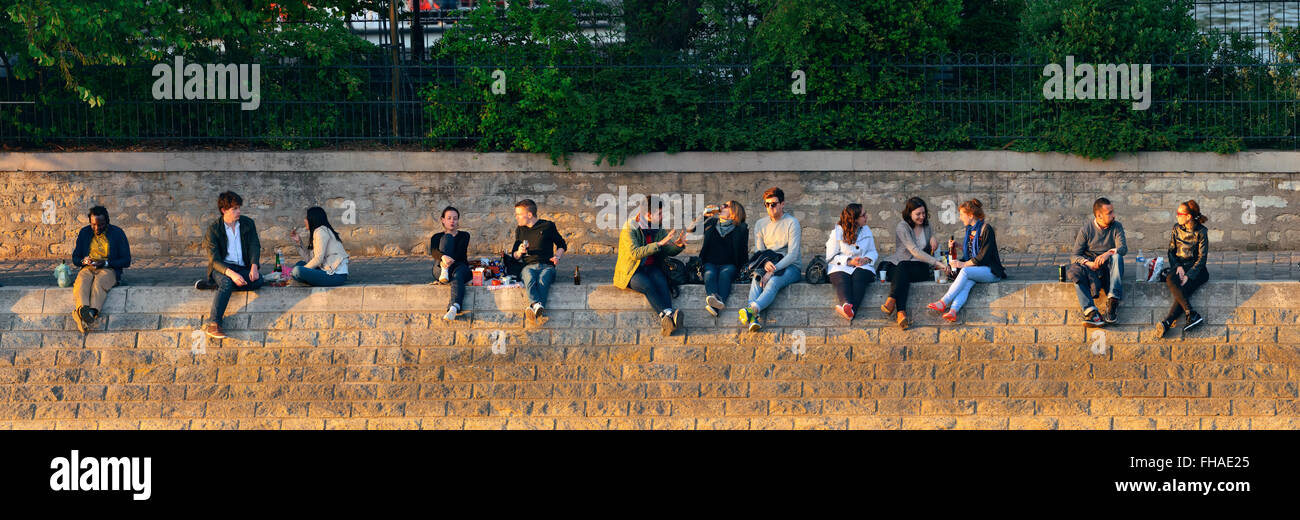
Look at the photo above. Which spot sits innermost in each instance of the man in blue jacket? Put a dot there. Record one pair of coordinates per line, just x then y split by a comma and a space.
102, 252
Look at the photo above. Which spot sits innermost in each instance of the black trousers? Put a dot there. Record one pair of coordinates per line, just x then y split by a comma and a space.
850, 288
1181, 292
901, 277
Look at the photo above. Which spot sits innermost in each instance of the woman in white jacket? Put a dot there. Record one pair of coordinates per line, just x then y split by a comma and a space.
851, 259
327, 262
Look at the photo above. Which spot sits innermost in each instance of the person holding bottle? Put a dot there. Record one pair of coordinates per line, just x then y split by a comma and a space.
979, 262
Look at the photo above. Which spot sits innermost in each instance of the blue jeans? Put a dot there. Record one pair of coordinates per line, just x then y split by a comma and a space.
537, 280
225, 286
651, 281
761, 297
317, 277
718, 280
1111, 275
966, 279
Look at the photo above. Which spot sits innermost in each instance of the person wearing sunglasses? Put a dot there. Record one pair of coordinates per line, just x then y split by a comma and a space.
723, 253
1189, 244
780, 233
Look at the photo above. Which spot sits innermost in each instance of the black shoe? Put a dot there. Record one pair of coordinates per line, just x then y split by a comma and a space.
1092, 318
1162, 328
1111, 307
204, 284
1193, 320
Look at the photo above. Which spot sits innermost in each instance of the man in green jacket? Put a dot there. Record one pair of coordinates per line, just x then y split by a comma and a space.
233, 254
643, 244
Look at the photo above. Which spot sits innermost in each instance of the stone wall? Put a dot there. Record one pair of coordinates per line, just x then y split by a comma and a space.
379, 357
1037, 201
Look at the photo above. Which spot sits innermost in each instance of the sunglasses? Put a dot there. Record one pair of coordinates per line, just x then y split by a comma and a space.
772, 204
1183, 213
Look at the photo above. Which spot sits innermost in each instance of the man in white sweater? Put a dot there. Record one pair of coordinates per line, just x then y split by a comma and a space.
778, 232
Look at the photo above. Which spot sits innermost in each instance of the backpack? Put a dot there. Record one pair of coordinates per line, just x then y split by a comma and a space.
675, 271
815, 273
694, 271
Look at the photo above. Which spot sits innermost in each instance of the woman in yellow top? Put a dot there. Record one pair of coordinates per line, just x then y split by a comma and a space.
642, 246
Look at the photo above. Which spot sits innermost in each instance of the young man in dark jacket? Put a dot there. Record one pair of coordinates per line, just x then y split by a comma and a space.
102, 252
234, 252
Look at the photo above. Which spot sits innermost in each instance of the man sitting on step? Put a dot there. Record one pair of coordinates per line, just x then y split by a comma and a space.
1097, 261
102, 252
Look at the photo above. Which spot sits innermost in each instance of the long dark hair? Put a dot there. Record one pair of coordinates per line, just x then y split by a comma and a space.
316, 218
849, 222
912, 204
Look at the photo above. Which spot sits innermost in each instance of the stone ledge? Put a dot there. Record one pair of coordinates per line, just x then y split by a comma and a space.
1006, 302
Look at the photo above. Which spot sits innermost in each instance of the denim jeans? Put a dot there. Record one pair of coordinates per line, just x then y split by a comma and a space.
966, 279
651, 281
718, 280
762, 297
317, 277
225, 286
1111, 274
537, 280
458, 277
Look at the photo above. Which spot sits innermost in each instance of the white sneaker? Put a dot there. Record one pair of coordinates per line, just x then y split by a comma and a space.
451, 313
711, 310
712, 301
442, 277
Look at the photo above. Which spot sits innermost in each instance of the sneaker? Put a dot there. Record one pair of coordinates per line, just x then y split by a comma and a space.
540, 313
749, 318
714, 302
1162, 328
1092, 318
214, 331
951, 316
451, 313
845, 310
1111, 307
442, 277
81, 322
1193, 320
666, 325
938, 306
204, 284
711, 310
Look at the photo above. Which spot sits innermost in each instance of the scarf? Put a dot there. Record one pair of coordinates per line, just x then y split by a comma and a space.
725, 226
973, 239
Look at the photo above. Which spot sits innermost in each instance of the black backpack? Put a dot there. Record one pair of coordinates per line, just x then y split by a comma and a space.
816, 271
694, 271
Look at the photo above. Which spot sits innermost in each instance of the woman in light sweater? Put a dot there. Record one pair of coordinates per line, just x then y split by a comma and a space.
327, 261
851, 259
914, 243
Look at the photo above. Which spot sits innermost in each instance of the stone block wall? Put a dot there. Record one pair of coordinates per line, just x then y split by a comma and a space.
378, 356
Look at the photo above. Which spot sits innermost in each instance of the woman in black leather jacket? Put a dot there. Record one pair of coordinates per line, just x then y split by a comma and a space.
1188, 247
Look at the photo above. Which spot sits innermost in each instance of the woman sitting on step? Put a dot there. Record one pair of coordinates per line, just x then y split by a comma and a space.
450, 249
979, 261
1188, 245
914, 243
851, 259
327, 261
